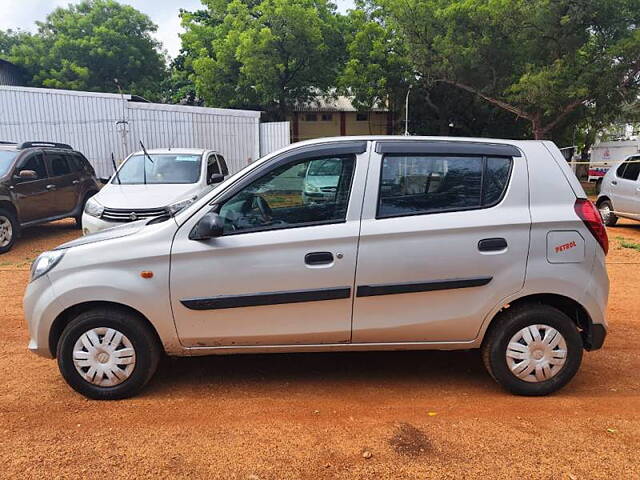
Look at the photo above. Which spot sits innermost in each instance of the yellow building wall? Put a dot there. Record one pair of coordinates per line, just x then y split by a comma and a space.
376, 124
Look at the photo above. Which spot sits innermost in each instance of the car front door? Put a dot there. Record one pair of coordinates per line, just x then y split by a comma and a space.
65, 179
444, 238
34, 197
625, 187
283, 271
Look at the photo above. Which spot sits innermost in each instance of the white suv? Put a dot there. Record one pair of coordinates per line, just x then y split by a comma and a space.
620, 192
426, 243
153, 183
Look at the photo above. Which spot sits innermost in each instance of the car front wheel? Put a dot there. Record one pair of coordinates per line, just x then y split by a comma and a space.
532, 349
107, 354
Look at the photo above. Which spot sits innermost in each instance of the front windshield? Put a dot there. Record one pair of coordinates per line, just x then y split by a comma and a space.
160, 168
6, 161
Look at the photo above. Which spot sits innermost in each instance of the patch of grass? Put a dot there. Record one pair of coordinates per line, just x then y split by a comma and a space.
624, 243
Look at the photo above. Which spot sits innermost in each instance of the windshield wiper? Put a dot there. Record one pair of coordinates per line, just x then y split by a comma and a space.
144, 163
115, 169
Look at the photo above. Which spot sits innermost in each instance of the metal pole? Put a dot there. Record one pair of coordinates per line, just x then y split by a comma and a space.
406, 112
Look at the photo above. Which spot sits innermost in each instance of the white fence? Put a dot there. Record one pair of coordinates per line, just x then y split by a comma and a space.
274, 136
99, 124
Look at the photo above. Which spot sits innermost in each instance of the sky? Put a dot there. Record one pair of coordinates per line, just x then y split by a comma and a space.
22, 14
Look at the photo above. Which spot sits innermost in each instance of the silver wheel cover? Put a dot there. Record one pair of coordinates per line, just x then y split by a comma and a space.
104, 357
605, 212
6, 231
536, 353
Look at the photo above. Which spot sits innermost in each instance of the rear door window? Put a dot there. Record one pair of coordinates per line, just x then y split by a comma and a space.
422, 184
58, 164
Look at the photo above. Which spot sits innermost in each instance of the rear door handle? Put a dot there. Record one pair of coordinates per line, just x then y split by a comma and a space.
318, 258
50, 187
492, 244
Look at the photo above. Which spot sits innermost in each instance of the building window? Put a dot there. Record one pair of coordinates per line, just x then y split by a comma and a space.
311, 117
362, 117
327, 117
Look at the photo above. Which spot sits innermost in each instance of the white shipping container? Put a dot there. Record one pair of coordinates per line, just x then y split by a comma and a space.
99, 124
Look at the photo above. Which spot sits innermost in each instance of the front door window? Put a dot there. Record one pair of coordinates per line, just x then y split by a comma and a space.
310, 192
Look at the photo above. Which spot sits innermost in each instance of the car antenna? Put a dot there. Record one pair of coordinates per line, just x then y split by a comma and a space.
144, 164
115, 169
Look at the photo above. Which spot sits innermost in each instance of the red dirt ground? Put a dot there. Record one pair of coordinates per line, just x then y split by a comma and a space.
313, 416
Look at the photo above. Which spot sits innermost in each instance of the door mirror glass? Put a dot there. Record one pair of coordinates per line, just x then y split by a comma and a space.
27, 175
209, 226
215, 178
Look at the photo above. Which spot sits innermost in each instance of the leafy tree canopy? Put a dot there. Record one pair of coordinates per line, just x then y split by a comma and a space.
542, 60
271, 53
85, 46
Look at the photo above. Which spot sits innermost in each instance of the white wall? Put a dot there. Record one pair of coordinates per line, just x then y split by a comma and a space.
88, 122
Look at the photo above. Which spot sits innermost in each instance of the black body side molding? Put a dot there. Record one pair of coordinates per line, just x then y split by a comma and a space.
267, 298
414, 287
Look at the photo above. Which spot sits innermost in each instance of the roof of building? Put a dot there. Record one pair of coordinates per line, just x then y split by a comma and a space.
332, 103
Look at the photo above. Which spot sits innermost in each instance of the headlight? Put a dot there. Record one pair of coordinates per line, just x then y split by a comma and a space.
176, 207
93, 208
45, 262
312, 189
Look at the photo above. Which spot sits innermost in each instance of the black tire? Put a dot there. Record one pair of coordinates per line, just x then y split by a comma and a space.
142, 338
511, 321
610, 219
8, 216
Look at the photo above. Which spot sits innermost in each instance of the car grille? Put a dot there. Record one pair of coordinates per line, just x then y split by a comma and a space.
328, 189
130, 215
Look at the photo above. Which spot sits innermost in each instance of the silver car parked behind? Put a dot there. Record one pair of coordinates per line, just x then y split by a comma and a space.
423, 243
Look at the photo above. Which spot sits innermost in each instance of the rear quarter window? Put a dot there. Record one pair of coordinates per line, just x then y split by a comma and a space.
423, 184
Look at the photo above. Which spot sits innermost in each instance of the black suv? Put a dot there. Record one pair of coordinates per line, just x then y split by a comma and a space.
41, 182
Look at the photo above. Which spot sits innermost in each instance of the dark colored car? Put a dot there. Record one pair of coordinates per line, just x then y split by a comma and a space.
41, 182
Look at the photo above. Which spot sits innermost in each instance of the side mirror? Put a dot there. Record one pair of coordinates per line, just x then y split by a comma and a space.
209, 226
216, 178
104, 179
27, 175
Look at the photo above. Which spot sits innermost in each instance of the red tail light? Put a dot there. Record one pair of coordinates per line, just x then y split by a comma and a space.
590, 215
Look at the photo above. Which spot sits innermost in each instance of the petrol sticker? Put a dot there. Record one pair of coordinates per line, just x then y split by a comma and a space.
565, 246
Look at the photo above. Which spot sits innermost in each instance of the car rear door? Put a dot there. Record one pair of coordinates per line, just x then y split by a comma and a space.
34, 197
65, 178
283, 271
444, 238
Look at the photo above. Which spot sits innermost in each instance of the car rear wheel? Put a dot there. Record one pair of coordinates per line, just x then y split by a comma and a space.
8, 230
606, 212
532, 349
107, 354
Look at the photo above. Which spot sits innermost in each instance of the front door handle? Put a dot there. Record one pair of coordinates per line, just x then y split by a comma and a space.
50, 187
318, 258
492, 244
76, 182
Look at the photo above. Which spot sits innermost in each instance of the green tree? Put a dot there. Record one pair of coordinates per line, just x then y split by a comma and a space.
86, 46
378, 70
545, 61
270, 53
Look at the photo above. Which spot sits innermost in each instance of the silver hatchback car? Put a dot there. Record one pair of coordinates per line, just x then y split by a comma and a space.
423, 243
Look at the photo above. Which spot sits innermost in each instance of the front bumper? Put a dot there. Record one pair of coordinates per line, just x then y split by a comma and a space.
92, 224
40, 308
